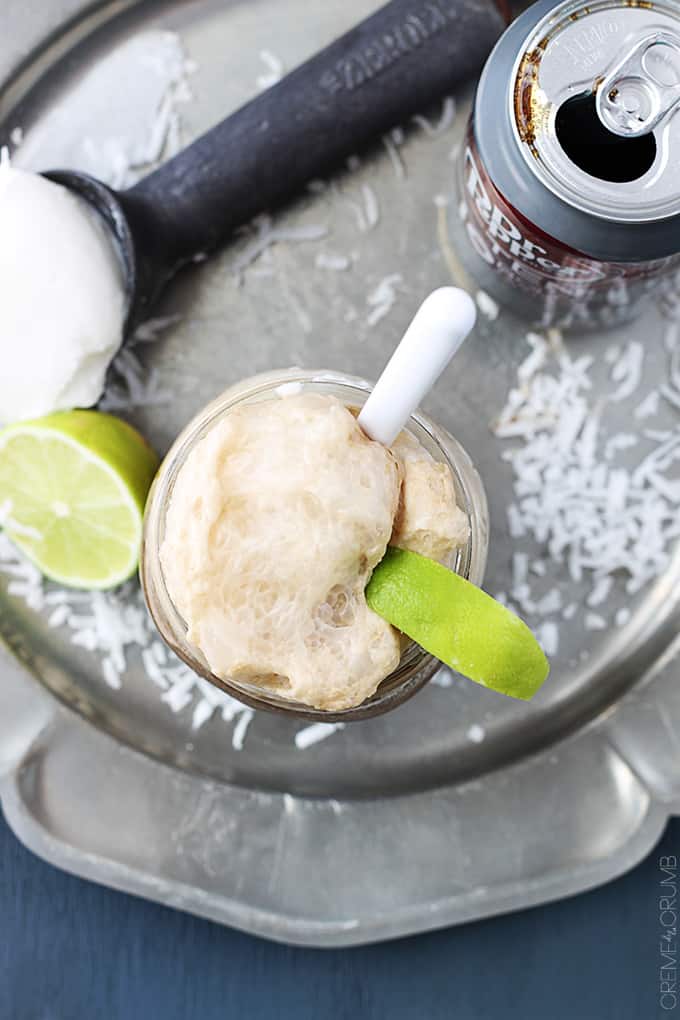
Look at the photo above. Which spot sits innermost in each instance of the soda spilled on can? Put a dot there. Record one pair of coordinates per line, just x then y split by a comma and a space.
569, 179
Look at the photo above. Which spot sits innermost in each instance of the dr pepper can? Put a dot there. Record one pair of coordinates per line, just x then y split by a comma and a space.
569, 180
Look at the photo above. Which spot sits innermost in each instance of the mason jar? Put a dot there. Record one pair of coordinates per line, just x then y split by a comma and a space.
416, 666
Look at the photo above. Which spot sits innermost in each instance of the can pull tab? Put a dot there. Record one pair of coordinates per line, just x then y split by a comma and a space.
643, 88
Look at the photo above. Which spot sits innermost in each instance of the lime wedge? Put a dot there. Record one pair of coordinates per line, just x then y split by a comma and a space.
458, 623
72, 493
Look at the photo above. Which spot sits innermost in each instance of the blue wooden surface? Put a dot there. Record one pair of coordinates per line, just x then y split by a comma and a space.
70, 950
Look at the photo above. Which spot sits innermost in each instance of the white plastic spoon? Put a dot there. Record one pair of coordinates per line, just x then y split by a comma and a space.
440, 326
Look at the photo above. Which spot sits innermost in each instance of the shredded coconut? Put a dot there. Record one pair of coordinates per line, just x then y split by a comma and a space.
446, 119
628, 371
267, 235
619, 442
476, 733
548, 636
240, 729
371, 207
131, 384
594, 621
382, 298
274, 70
551, 602
124, 145
520, 568
600, 591
149, 330
327, 260
486, 304
648, 407
574, 492
366, 211
315, 733
115, 625
392, 143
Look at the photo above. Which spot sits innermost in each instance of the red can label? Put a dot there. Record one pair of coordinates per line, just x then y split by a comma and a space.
573, 288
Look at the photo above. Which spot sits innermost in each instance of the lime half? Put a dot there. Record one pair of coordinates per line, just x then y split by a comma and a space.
458, 623
72, 492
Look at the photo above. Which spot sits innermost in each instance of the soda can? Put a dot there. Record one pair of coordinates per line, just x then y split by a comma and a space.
569, 179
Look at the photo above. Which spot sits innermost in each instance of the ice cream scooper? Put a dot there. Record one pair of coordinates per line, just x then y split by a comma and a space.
393, 64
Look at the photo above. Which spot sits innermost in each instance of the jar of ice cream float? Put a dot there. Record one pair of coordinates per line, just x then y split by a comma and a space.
186, 542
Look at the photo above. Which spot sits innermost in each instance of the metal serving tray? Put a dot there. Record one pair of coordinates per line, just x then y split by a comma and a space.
396, 825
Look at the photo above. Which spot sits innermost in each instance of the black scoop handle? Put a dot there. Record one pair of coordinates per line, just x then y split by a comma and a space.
395, 63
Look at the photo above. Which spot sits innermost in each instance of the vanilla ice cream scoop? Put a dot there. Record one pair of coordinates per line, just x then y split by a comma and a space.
64, 312
62, 298
65, 306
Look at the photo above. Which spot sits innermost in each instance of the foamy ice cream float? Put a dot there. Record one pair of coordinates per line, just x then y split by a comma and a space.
276, 508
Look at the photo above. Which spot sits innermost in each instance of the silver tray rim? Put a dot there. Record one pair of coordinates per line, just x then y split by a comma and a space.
33, 723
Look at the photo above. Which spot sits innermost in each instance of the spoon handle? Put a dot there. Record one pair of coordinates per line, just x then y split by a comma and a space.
395, 63
440, 326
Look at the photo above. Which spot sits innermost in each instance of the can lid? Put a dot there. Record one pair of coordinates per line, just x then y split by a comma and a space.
593, 101
554, 57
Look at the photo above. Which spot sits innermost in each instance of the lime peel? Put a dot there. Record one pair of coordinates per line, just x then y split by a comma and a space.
458, 623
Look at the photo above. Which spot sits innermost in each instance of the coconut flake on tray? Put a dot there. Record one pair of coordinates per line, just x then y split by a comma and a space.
113, 625
393, 142
446, 119
274, 70
382, 298
140, 129
597, 520
266, 235
311, 735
